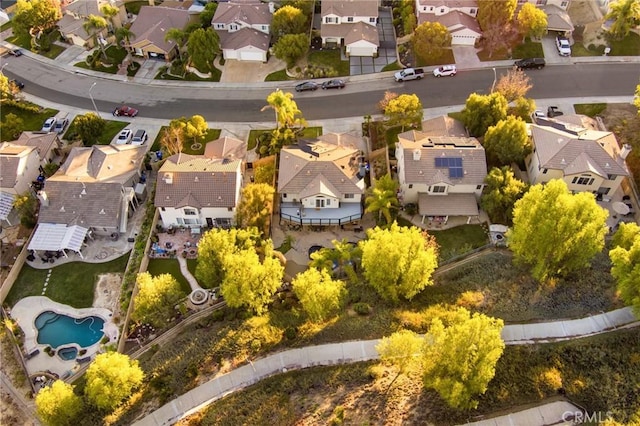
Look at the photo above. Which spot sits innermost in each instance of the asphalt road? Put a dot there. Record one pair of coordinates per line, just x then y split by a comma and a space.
241, 103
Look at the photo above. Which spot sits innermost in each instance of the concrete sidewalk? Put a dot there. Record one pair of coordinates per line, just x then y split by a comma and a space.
358, 351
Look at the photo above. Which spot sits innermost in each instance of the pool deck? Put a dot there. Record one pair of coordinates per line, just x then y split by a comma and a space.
25, 313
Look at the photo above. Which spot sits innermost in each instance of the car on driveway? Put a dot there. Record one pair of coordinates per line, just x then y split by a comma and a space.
530, 63
333, 84
563, 46
61, 125
124, 137
139, 137
48, 125
125, 111
307, 85
445, 71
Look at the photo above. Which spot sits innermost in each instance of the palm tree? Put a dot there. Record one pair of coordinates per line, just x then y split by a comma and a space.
179, 36
625, 14
109, 12
94, 25
124, 33
383, 198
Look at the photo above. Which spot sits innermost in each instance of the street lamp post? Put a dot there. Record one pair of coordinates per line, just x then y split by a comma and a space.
495, 77
91, 97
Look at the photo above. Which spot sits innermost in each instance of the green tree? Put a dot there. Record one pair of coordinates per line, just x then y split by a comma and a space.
206, 16
265, 172
11, 127
532, 21
636, 99
383, 198
507, 142
514, 84
405, 110
398, 261
460, 360
111, 378
625, 15
430, 41
124, 34
556, 232
523, 108
319, 294
196, 128
110, 12
483, 111
402, 349
255, 207
217, 244
27, 206
94, 25
57, 405
288, 20
625, 257
89, 127
156, 298
179, 36
339, 260
172, 140
251, 280
502, 191
289, 120
495, 13
305, 6
291, 48
34, 16
203, 46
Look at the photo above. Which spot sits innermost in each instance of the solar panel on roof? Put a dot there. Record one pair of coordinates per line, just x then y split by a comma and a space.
456, 172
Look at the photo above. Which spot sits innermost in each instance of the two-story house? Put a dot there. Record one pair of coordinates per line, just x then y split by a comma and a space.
459, 16
150, 28
74, 17
202, 190
321, 181
441, 170
351, 24
244, 29
19, 166
586, 159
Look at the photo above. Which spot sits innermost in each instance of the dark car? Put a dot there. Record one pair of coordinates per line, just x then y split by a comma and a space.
333, 84
125, 111
15, 52
307, 85
18, 84
554, 111
528, 63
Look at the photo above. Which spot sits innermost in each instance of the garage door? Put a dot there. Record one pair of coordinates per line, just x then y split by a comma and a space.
360, 51
251, 56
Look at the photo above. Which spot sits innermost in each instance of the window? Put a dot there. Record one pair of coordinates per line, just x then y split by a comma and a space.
439, 189
410, 185
611, 177
284, 195
229, 209
472, 11
190, 212
180, 221
264, 28
191, 222
544, 172
541, 2
163, 209
582, 180
442, 10
349, 196
219, 26
319, 203
372, 20
350, 19
328, 202
479, 187
564, 4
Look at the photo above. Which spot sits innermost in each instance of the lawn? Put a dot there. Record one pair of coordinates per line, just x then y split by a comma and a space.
31, 121
24, 41
590, 110
329, 59
212, 134
70, 284
459, 240
115, 57
255, 135
278, 76
446, 58
528, 49
172, 267
628, 46
111, 129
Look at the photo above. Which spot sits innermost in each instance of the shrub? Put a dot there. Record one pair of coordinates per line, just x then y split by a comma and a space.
290, 333
362, 308
217, 315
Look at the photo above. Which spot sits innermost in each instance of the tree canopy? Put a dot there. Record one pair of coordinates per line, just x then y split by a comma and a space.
502, 191
203, 46
11, 127
404, 110
398, 261
507, 142
320, 295
556, 232
625, 257
156, 298
289, 120
291, 47
430, 39
111, 378
255, 207
495, 13
532, 21
383, 198
33, 16
288, 20
483, 111
57, 405
402, 349
341, 260
514, 84
206, 16
94, 24
89, 127
625, 15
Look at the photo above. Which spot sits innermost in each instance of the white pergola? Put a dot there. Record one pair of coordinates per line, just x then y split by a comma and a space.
6, 205
58, 236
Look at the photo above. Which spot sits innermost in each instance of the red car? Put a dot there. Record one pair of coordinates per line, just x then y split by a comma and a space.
125, 111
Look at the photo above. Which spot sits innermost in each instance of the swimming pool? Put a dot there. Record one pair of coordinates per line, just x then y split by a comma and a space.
68, 353
57, 329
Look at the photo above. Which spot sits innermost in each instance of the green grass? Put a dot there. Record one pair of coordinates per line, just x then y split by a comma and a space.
590, 110
111, 129
71, 283
278, 76
212, 134
6, 26
254, 135
24, 41
446, 58
31, 121
329, 58
172, 267
579, 50
394, 66
528, 49
458, 240
628, 46
215, 76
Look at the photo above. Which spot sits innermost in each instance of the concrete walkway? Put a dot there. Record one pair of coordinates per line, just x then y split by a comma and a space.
358, 351
193, 283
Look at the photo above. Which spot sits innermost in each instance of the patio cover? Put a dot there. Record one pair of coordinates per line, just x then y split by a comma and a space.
447, 205
58, 236
6, 204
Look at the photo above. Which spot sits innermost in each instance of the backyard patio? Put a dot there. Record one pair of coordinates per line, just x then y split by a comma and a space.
173, 242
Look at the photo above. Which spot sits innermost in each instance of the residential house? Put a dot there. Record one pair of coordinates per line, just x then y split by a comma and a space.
244, 29
19, 167
351, 24
91, 194
150, 29
321, 181
441, 169
202, 190
571, 149
459, 16
47, 144
75, 14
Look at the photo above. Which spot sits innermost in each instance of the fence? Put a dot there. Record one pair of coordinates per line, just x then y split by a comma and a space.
319, 222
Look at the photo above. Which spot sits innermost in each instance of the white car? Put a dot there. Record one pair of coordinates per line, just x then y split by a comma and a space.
48, 125
445, 71
124, 137
564, 48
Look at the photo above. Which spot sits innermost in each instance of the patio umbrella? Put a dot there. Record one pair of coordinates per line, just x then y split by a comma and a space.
620, 208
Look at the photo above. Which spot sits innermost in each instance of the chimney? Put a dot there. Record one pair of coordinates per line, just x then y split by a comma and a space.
44, 199
416, 154
168, 178
626, 149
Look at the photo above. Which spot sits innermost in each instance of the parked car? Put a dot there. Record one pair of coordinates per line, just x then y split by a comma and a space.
61, 125
124, 137
554, 111
333, 84
445, 71
18, 84
15, 52
139, 137
409, 74
307, 85
48, 125
528, 63
125, 111
538, 114
564, 48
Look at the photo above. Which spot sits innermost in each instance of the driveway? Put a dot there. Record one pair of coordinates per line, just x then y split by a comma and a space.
234, 71
386, 52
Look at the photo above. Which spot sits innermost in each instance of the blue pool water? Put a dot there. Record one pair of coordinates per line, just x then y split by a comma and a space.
68, 353
56, 330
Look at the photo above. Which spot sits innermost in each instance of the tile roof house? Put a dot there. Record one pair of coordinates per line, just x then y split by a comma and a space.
74, 15
352, 24
441, 169
321, 181
243, 27
150, 29
46, 144
19, 166
202, 190
585, 158
459, 16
